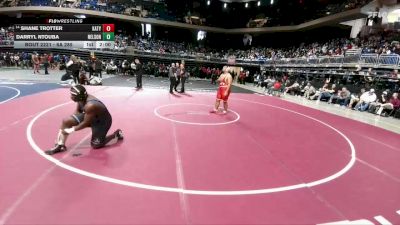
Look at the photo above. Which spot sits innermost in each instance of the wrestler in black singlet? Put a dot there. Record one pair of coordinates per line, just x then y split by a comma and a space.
100, 124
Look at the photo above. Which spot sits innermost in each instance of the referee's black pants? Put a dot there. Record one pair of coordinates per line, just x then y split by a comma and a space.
172, 84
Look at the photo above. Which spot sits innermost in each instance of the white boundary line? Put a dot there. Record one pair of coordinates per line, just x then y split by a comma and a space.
192, 123
180, 176
382, 220
352, 148
15, 89
196, 192
9, 211
19, 83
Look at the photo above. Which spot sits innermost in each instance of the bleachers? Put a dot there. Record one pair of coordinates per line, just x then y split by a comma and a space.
369, 59
390, 60
353, 51
155, 9
118, 56
364, 60
40, 2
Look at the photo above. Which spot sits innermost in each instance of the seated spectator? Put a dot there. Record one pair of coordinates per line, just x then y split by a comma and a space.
355, 98
295, 87
324, 88
396, 48
269, 84
327, 93
308, 90
261, 78
393, 104
125, 67
67, 79
342, 98
374, 106
256, 79
365, 100
277, 88
394, 80
111, 68
95, 81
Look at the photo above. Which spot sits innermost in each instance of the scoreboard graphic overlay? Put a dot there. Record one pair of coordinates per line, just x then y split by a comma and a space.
62, 35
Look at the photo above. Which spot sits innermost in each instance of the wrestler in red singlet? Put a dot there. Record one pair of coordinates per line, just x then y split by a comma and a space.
224, 90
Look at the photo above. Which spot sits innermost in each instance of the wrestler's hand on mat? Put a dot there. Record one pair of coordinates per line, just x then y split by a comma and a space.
69, 130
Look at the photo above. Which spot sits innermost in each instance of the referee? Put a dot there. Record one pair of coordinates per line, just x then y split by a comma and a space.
172, 77
139, 74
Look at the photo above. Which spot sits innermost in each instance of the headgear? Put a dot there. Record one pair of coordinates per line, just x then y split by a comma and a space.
79, 93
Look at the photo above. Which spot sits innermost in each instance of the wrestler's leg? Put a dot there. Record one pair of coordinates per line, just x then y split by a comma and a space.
216, 106
62, 136
225, 107
217, 101
100, 137
225, 99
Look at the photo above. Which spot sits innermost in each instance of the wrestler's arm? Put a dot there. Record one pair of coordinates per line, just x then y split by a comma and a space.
229, 84
220, 78
77, 110
90, 110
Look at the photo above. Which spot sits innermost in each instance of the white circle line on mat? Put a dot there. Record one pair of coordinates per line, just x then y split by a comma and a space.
196, 192
9, 99
194, 123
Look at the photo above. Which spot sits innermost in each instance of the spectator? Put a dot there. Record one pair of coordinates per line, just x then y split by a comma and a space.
365, 100
393, 104
327, 93
383, 99
295, 87
277, 88
342, 98
309, 90
355, 98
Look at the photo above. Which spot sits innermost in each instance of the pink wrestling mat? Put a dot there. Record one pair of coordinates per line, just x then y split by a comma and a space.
267, 161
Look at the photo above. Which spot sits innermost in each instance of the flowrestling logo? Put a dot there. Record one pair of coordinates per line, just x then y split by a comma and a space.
57, 21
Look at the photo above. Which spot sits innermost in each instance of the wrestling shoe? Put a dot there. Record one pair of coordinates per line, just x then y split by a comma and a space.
57, 148
118, 133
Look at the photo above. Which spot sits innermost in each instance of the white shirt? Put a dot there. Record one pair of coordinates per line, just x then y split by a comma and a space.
368, 97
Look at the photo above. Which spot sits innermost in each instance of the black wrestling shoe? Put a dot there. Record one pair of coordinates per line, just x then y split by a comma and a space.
57, 148
118, 134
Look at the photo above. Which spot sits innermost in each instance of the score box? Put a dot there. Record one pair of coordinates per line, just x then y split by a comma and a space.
108, 27
108, 36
